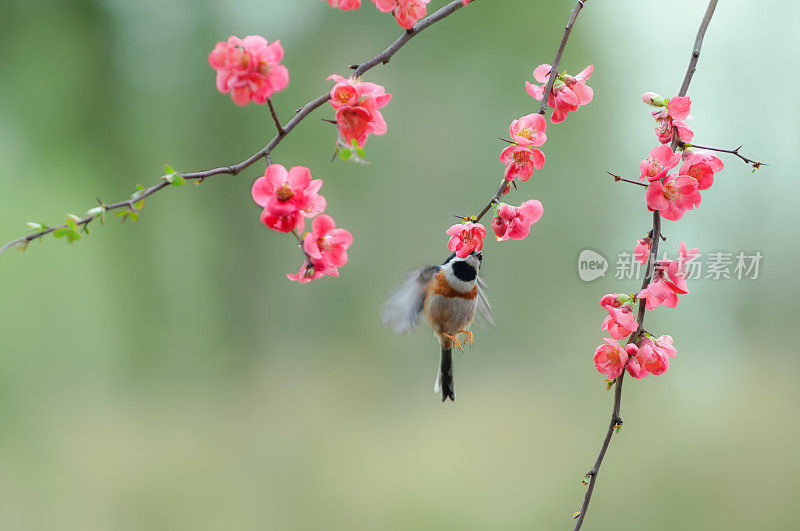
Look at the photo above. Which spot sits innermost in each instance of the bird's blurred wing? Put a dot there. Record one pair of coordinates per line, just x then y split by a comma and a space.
484, 308
402, 308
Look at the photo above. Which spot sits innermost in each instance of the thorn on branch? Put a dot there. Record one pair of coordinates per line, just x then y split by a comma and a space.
354, 67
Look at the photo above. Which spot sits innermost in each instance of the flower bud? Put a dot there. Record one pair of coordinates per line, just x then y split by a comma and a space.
653, 99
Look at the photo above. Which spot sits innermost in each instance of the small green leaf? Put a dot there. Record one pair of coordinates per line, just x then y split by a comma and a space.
361, 152
168, 169
71, 224
73, 236
345, 154
139, 204
177, 180
133, 215
61, 232
354, 143
140, 188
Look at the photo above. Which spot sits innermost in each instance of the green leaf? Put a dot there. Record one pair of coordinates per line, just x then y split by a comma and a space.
61, 232
177, 180
168, 169
133, 215
71, 224
345, 154
139, 204
361, 152
73, 236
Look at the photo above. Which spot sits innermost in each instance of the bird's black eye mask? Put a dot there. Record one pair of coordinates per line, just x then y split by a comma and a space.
464, 271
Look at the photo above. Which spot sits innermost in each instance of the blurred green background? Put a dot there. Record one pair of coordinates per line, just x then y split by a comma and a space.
164, 374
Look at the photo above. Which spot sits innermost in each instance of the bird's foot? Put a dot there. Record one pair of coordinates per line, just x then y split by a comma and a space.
456, 342
468, 337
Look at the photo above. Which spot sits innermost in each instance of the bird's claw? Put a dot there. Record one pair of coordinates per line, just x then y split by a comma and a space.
456, 342
468, 337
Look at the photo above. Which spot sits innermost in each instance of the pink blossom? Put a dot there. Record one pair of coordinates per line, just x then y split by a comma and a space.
671, 117
465, 2
702, 165
288, 223
568, 94
659, 291
652, 99
465, 238
665, 344
673, 196
357, 103
408, 12
312, 271
345, 5
529, 130
610, 359
287, 196
661, 160
612, 300
641, 252
326, 244
386, 6
620, 322
669, 280
514, 223
520, 162
676, 269
652, 358
249, 68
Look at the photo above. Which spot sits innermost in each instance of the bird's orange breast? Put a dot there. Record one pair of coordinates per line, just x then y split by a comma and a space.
440, 286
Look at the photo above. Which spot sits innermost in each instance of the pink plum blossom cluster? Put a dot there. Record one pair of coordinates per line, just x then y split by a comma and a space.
649, 356
406, 12
526, 134
288, 198
249, 69
671, 194
357, 105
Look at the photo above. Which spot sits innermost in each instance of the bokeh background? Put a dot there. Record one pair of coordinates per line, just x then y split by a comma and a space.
164, 374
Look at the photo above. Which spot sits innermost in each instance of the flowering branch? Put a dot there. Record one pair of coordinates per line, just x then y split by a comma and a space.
655, 236
129, 207
504, 183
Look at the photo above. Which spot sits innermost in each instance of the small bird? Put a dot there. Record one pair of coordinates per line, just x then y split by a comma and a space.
450, 295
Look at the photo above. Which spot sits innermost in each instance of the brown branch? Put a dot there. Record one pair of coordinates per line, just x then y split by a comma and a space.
264, 152
656, 237
543, 106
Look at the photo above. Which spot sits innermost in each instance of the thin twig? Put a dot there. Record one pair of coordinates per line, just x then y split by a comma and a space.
656, 237
275, 119
618, 178
283, 130
756, 164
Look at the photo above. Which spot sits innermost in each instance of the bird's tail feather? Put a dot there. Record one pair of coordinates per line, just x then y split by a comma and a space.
444, 377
